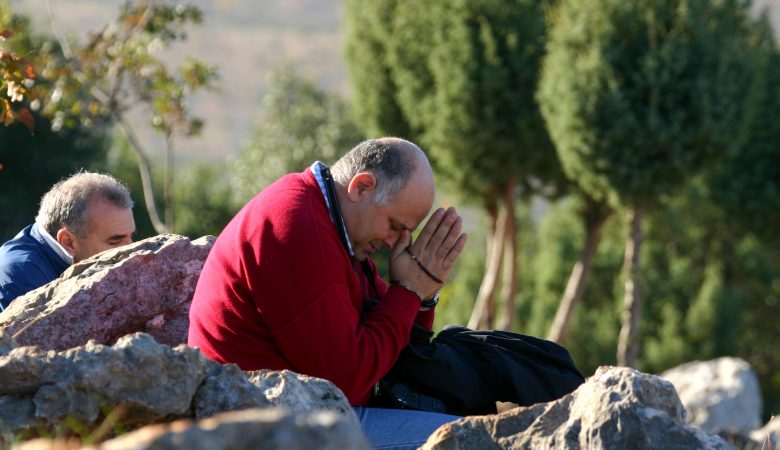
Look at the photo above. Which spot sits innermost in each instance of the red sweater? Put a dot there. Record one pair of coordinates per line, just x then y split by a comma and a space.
279, 291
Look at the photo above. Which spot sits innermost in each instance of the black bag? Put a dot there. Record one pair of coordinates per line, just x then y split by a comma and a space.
464, 372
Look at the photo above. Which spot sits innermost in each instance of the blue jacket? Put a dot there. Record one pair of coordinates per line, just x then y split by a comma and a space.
26, 262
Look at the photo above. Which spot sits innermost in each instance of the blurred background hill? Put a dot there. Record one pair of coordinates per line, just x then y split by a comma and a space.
246, 39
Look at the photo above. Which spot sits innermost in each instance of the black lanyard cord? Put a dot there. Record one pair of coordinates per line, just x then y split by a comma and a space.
338, 220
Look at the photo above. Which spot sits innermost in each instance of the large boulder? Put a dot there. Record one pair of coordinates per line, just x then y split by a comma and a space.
617, 408
769, 434
146, 286
7, 343
268, 429
721, 395
143, 382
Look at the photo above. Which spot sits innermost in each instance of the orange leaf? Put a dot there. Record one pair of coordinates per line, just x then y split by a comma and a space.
26, 118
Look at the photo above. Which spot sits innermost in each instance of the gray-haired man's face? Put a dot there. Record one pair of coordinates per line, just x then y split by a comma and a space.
109, 226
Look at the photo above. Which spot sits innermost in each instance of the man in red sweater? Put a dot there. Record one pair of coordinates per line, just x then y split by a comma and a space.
284, 288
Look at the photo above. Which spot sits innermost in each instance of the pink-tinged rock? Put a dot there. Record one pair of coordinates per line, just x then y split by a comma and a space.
146, 286
617, 408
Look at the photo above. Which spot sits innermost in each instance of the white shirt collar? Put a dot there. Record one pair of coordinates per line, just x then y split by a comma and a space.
316, 169
56, 246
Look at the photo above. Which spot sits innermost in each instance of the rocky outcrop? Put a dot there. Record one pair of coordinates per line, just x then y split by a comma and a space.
617, 408
88, 364
146, 286
721, 395
301, 393
769, 434
147, 383
6, 343
268, 429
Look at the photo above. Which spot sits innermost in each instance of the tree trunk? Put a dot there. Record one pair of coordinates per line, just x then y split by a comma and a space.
509, 291
594, 216
168, 183
146, 176
628, 344
480, 316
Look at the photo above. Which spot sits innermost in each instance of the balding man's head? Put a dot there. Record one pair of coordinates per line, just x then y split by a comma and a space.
393, 161
386, 189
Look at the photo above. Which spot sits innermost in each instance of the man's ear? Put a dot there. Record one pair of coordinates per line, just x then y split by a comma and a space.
361, 184
68, 240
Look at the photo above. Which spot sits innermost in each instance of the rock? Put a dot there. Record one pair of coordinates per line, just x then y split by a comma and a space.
227, 389
248, 430
150, 380
301, 393
720, 395
7, 343
268, 429
49, 444
145, 286
144, 382
769, 435
617, 408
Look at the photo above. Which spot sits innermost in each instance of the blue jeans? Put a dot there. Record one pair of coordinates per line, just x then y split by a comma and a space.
399, 429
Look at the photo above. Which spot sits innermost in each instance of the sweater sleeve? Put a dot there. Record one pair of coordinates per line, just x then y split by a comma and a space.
314, 311
424, 318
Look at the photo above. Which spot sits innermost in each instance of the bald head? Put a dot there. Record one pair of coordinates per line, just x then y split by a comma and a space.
385, 189
393, 161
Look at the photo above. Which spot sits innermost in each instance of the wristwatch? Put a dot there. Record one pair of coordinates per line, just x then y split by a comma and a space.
430, 303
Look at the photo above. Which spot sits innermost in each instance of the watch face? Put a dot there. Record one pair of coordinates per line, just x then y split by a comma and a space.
431, 302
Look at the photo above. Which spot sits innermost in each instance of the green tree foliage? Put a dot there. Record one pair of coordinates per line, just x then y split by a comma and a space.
716, 290
559, 237
368, 29
122, 162
638, 97
32, 159
478, 115
639, 94
16, 74
203, 194
32, 163
203, 199
463, 75
746, 184
302, 124
122, 67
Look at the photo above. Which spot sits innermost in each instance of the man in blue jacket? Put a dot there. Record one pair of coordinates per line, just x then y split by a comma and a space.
79, 217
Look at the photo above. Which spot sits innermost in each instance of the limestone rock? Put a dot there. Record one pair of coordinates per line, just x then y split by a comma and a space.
617, 408
268, 429
150, 380
769, 434
301, 393
146, 381
145, 286
7, 343
248, 430
720, 395
227, 388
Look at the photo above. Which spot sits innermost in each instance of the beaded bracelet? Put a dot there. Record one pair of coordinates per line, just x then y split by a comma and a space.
422, 267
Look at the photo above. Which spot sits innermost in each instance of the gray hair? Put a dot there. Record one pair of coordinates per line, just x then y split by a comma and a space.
65, 205
385, 159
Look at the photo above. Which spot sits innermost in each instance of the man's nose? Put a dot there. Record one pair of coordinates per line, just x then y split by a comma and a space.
391, 239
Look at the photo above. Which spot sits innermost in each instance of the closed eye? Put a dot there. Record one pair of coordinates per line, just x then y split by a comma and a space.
398, 226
